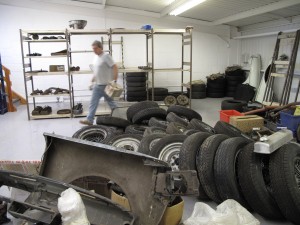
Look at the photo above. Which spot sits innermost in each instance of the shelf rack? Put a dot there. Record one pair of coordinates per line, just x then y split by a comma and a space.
29, 77
185, 67
3, 102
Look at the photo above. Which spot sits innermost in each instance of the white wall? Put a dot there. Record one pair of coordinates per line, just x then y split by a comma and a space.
210, 52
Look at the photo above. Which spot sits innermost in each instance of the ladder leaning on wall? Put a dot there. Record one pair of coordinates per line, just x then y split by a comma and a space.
288, 76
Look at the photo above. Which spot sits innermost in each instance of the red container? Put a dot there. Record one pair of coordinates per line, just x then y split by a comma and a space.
226, 114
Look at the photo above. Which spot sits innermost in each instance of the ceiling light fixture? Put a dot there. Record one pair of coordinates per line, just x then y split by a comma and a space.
186, 6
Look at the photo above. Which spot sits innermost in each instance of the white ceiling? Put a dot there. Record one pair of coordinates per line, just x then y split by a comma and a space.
237, 13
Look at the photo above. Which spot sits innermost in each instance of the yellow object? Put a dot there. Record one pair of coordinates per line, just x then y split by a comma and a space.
297, 111
247, 123
172, 215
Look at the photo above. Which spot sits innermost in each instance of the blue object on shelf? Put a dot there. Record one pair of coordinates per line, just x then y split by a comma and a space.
3, 103
147, 27
287, 119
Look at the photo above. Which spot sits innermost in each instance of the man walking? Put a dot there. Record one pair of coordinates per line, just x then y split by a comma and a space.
105, 70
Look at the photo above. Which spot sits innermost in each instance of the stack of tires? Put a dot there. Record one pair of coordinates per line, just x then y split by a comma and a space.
198, 91
216, 87
159, 93
136, 87
234, 77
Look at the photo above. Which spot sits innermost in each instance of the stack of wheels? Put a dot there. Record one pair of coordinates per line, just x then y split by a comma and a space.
159, 94
216, 88
198, 91
234, 77
136, 87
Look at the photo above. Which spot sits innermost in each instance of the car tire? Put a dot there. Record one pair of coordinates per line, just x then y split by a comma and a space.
225, 167
197, 95
170, 100
130, 142
136, 79
188, 155
200, 126
156, 122
137, 94
154, 130
148, 142
112, 121
136, 84
215, 94
253, 173
135, 108
136, 74
233, 105
285, 180
135, 129
133, 89
205, 165
175, 128
222, 127
159, 91
146, 114
230, 94
172, 117
198, 87
168, 148
184, 112
136, 99
94, 133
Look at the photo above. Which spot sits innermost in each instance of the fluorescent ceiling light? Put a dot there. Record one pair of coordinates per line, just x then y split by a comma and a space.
186, 6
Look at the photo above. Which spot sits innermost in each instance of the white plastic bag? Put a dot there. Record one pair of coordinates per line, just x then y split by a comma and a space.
72, 209
229, 212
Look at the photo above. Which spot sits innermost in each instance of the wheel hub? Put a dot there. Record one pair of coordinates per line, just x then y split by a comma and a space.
170, 154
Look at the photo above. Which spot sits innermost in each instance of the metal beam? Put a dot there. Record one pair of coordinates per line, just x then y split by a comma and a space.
171, 7
103, 3
257, 11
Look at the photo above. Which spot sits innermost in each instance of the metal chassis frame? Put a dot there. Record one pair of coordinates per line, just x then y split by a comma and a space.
148, 183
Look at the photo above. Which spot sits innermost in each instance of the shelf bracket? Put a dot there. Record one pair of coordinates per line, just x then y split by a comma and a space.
225, 40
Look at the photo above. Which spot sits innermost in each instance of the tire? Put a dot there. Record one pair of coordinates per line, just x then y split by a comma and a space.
170, 100
285, 180
253, 170
231, 88
136, 74
230, 94
112, 121
172, 117
136, 84
175, 128
155, 122
168, 148
200, 126
197, 95
136, 99
130, 142
135, 129
215, 90
94, 133
233, 105
159, 91
148, 142
235, 73
133, 89
191, 131
219, 80
136, 94
199, 88
135, 108
215, 94
205, 165
233, 83
182, 100
222, 127
136, 79
154, 130
184, 112
188, 155
146, 114
225, 167
216, 85
298, 133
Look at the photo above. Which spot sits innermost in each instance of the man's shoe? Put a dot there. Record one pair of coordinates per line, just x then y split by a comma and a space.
86, 122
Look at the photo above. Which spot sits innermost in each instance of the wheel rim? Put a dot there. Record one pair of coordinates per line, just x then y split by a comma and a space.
170, 154
297, 171
130, 144
94, 135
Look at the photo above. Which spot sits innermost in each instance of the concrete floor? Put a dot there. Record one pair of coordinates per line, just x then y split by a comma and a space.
21, 139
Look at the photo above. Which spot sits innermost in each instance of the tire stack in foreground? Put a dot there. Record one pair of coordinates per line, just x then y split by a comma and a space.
136, 87
224, 157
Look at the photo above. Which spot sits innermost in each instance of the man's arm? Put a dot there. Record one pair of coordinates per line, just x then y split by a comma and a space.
115, 71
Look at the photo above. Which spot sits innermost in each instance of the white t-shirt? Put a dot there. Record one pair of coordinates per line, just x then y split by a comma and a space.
102, 68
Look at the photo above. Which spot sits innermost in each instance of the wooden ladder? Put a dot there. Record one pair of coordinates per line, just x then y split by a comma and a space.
288, 77
11, 95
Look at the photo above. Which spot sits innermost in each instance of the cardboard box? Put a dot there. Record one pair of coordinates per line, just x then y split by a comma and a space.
57, 68
172, 215
247, 123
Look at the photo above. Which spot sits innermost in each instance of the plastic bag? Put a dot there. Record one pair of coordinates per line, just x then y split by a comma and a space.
229, 212
72, 209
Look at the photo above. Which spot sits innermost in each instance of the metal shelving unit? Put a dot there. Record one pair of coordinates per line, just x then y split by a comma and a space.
185, 67
3, 102
29, 77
